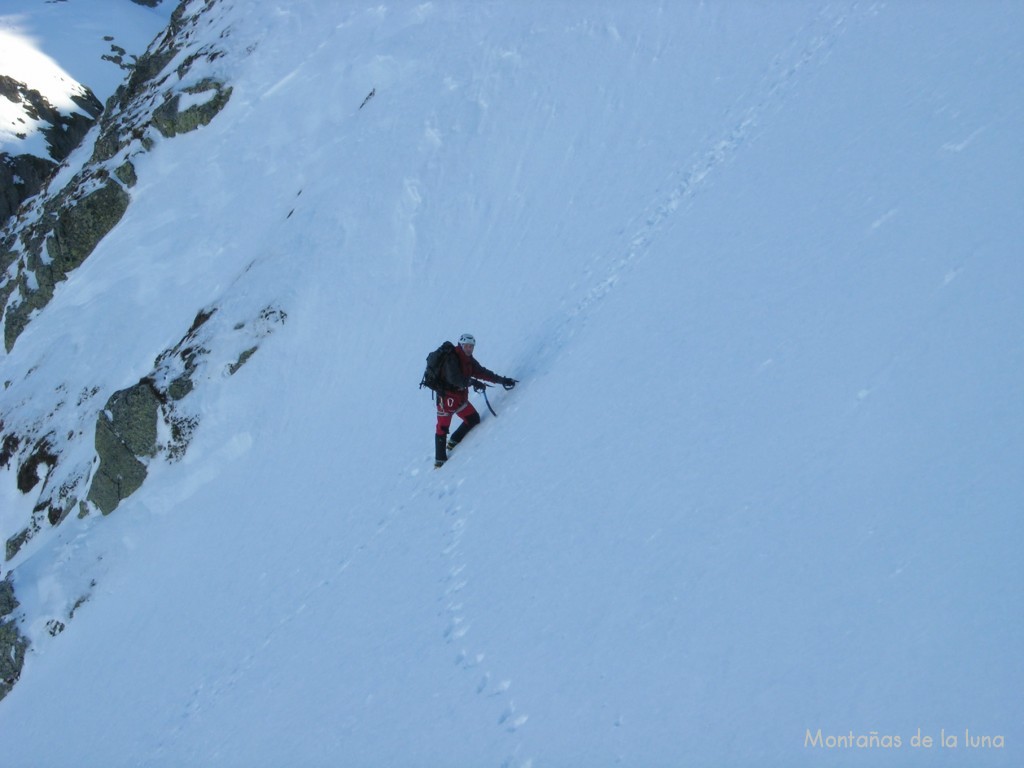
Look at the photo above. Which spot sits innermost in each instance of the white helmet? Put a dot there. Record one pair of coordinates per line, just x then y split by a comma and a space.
467, 339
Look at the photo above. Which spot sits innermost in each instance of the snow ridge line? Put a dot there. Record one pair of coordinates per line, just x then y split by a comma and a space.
469, 658
778, 81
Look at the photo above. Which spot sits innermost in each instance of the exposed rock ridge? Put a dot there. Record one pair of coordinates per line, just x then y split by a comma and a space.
69, 450
55, 231
22, 176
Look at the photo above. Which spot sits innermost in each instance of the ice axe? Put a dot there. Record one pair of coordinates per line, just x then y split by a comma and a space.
479, 386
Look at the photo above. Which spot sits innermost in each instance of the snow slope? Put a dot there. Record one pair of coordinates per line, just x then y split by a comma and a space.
757, 269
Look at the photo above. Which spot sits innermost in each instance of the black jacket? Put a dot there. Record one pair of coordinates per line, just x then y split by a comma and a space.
461, 367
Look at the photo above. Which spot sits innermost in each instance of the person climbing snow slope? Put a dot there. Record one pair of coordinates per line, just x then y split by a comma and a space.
458, 371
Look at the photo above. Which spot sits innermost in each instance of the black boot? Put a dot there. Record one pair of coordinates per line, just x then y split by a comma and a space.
463, 430
440, 457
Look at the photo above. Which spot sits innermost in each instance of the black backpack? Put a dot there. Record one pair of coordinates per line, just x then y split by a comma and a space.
433, 376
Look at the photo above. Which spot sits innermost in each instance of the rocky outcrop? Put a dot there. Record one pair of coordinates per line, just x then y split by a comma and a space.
12, 644
152, 419
128, 429
74, 448
59, 228
79, 228
170, 119
76, 230
165, 94
125, 431
22, 176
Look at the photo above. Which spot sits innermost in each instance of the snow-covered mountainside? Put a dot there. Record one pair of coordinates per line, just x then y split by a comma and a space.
58, 62
755, 500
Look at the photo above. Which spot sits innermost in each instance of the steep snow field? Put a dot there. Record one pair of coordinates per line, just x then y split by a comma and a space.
758, 270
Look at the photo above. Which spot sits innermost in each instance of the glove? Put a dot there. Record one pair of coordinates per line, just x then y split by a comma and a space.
478, 386
508, 383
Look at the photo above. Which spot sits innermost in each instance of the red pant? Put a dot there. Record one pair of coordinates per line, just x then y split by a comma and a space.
452, 405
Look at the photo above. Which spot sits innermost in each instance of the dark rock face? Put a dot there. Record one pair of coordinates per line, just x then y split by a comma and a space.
22, 176
73, 455
12, 644
64, 132
56, 229
7, 600
75, 232
125, 430
128, 428
28, 473
170, 121
80, 228
70, 222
